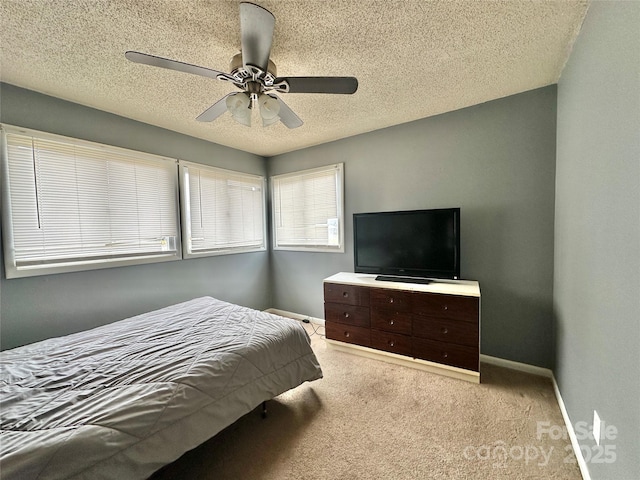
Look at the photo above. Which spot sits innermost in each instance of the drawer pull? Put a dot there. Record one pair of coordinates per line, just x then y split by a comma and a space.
391, 300
391, 322
345, 294
445, 354
391, 343
444, 330
346, 334
446, 307
346, 314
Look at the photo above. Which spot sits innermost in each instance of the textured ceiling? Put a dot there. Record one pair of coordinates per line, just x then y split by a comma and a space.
413, 58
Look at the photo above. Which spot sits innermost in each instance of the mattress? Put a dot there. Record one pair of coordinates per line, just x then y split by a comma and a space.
122, 400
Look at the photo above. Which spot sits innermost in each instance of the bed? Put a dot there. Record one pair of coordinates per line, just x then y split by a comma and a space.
122, 400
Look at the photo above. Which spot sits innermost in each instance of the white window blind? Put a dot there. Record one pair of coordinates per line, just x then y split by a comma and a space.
74, 205
308, 210
223, 210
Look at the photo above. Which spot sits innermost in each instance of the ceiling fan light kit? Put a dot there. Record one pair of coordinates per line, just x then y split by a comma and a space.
269, 109
239, 106
253, 72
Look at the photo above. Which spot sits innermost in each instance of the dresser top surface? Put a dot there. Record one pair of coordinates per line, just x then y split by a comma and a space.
469, 288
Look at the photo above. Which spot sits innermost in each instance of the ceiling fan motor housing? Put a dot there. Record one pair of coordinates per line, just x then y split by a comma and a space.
252, 72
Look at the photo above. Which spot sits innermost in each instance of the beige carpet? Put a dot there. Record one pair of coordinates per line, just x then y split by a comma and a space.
368, 419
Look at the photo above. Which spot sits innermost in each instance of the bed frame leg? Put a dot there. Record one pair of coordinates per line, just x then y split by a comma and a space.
264, 409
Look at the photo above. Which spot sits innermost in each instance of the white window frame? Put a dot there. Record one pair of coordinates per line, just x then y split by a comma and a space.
37, 267
336, 169
186, 209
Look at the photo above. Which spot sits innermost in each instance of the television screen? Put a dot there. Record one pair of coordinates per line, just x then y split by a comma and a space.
418, 243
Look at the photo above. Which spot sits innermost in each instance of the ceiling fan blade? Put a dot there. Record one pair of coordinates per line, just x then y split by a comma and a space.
215, 110
337, 85
287, 116
256, 27
154, 61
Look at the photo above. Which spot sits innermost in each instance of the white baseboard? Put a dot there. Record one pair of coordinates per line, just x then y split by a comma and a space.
522, 367
545, 372
572, 433
295, 316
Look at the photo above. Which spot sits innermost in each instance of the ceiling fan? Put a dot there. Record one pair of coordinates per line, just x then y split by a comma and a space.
253, 72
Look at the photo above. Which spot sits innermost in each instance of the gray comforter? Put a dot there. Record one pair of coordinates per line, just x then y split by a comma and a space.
121, 400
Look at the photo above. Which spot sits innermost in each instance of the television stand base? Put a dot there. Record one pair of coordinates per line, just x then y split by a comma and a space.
437, 323
387, 278
406, 361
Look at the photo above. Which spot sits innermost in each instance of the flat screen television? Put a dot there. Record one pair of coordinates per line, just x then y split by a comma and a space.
416, 243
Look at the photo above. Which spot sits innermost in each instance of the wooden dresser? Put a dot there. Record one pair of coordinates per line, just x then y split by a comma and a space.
433, 326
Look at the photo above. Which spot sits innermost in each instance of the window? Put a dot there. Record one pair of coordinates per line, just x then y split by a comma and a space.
222, 211
72, 205
308, 210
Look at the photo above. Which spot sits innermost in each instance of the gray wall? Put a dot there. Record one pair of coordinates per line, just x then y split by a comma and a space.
597, 245
497, 162
35, 308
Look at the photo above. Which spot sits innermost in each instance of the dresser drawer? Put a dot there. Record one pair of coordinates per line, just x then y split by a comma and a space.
447, 353
390, 320
446, 306
444, 330
348, 314
391, 342
346, 294
348, 333
396, 299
